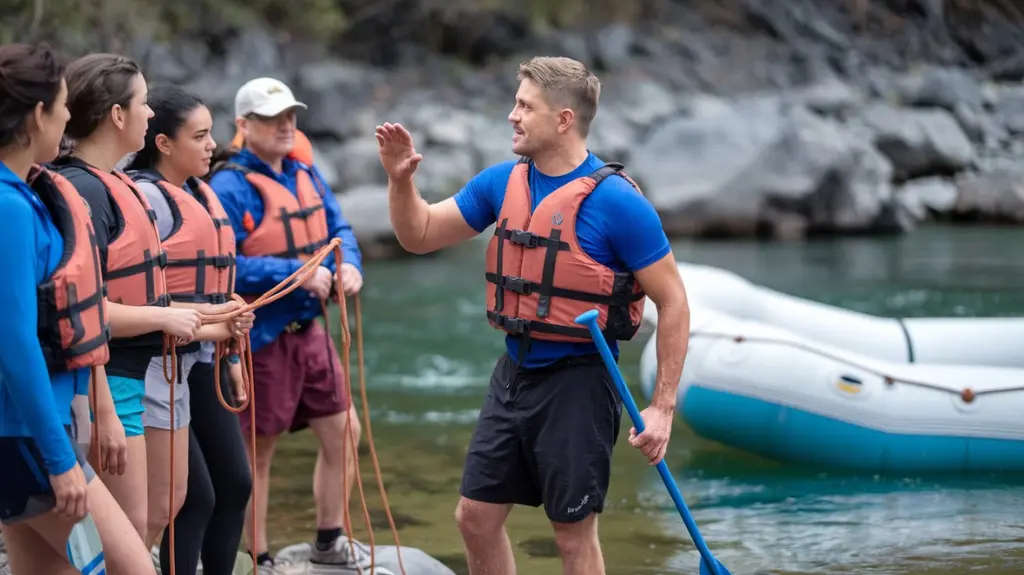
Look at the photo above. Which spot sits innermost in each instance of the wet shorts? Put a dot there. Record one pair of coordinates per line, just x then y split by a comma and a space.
545, 437
157, 398
25, 490
297, 377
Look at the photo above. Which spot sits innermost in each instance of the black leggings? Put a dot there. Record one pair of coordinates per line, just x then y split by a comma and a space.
219, 483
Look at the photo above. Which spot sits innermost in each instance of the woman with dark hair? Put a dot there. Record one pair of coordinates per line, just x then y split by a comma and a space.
56, 332
200, 247
109, 117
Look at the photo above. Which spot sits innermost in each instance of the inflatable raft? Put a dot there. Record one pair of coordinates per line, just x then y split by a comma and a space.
800, 381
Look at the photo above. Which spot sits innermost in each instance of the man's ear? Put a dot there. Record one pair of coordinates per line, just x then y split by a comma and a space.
566, 120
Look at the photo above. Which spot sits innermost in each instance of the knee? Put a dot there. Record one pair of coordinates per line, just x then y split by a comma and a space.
574, 538
350, 426
345, 438
236, 490
180, 492
474, 520
201, 500
139, 518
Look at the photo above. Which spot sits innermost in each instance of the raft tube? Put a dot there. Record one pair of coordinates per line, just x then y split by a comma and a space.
799, 381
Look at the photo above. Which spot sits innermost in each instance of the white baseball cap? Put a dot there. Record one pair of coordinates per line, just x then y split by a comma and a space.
265, 97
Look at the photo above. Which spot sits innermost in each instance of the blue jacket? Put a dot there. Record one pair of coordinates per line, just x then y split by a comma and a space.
257, 274
33, 402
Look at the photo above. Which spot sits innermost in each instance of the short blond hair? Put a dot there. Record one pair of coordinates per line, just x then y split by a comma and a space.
566, 83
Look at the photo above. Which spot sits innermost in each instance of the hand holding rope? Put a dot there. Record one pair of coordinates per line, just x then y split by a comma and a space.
243, 347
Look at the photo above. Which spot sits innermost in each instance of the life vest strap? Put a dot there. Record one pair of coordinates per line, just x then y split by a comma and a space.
146, 265
55, 356
523, 286
213, 298
218, 261
306, 250
521, 327
529, 240
76, 307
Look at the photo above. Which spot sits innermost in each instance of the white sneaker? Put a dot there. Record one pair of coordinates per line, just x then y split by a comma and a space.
342, 559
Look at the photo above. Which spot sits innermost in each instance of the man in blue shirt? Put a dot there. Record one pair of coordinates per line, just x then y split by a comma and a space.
297, 376
551, 417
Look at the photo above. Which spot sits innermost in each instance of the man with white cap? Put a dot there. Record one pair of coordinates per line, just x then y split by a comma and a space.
298, 377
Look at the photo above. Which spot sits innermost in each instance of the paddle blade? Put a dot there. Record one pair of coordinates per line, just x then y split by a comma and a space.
706, 569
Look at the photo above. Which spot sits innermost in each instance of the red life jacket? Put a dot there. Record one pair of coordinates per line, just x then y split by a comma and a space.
201, 246
135, 258
74, 327
293, 225
540, 280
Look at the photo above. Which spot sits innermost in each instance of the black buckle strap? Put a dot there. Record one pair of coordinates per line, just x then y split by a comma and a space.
524, 238
517, 284
512, 325
522, 328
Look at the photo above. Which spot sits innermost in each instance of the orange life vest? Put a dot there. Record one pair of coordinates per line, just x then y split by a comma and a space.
293, 225
135, 257
303, 149
201, 246
540, 280
74, 327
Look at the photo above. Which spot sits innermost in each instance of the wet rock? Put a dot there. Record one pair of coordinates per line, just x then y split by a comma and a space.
416, 562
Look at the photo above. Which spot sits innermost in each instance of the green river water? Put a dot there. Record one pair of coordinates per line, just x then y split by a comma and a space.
429, 354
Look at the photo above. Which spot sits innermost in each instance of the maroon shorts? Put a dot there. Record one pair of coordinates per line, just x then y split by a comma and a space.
298, 377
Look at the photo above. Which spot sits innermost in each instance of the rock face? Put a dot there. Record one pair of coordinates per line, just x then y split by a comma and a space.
777, 118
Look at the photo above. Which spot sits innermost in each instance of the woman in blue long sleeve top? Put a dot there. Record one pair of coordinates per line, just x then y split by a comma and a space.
46, 484
298, 380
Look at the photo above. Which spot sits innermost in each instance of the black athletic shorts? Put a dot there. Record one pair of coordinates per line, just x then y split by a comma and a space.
25, 490
545, 437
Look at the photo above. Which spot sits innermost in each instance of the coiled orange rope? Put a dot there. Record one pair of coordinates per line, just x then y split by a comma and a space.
244, 349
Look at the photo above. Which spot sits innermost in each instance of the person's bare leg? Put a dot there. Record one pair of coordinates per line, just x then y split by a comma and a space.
488, 548
579, 546
331, 494
129, 490
28, 552
158, 454
123, 549
265, 446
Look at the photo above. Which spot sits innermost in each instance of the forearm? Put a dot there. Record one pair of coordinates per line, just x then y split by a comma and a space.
410, 214
203, 308
104, 401
673, 340
133, 320
214, 332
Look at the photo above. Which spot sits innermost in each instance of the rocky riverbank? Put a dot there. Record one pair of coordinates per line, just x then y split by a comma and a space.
781, 118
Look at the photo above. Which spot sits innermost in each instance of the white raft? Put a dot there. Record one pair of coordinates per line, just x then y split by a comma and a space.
800, 381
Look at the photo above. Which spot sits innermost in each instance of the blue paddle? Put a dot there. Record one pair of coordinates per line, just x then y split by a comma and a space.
708, 564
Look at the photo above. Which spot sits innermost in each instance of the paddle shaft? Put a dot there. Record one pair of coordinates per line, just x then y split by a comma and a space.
638, 423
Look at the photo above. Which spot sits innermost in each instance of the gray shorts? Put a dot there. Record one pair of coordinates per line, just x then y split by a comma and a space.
157, 400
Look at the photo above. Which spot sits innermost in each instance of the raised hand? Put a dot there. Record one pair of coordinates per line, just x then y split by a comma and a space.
397, 152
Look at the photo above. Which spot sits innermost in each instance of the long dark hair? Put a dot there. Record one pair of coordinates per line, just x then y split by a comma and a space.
28, 75
171, 108
96, 83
